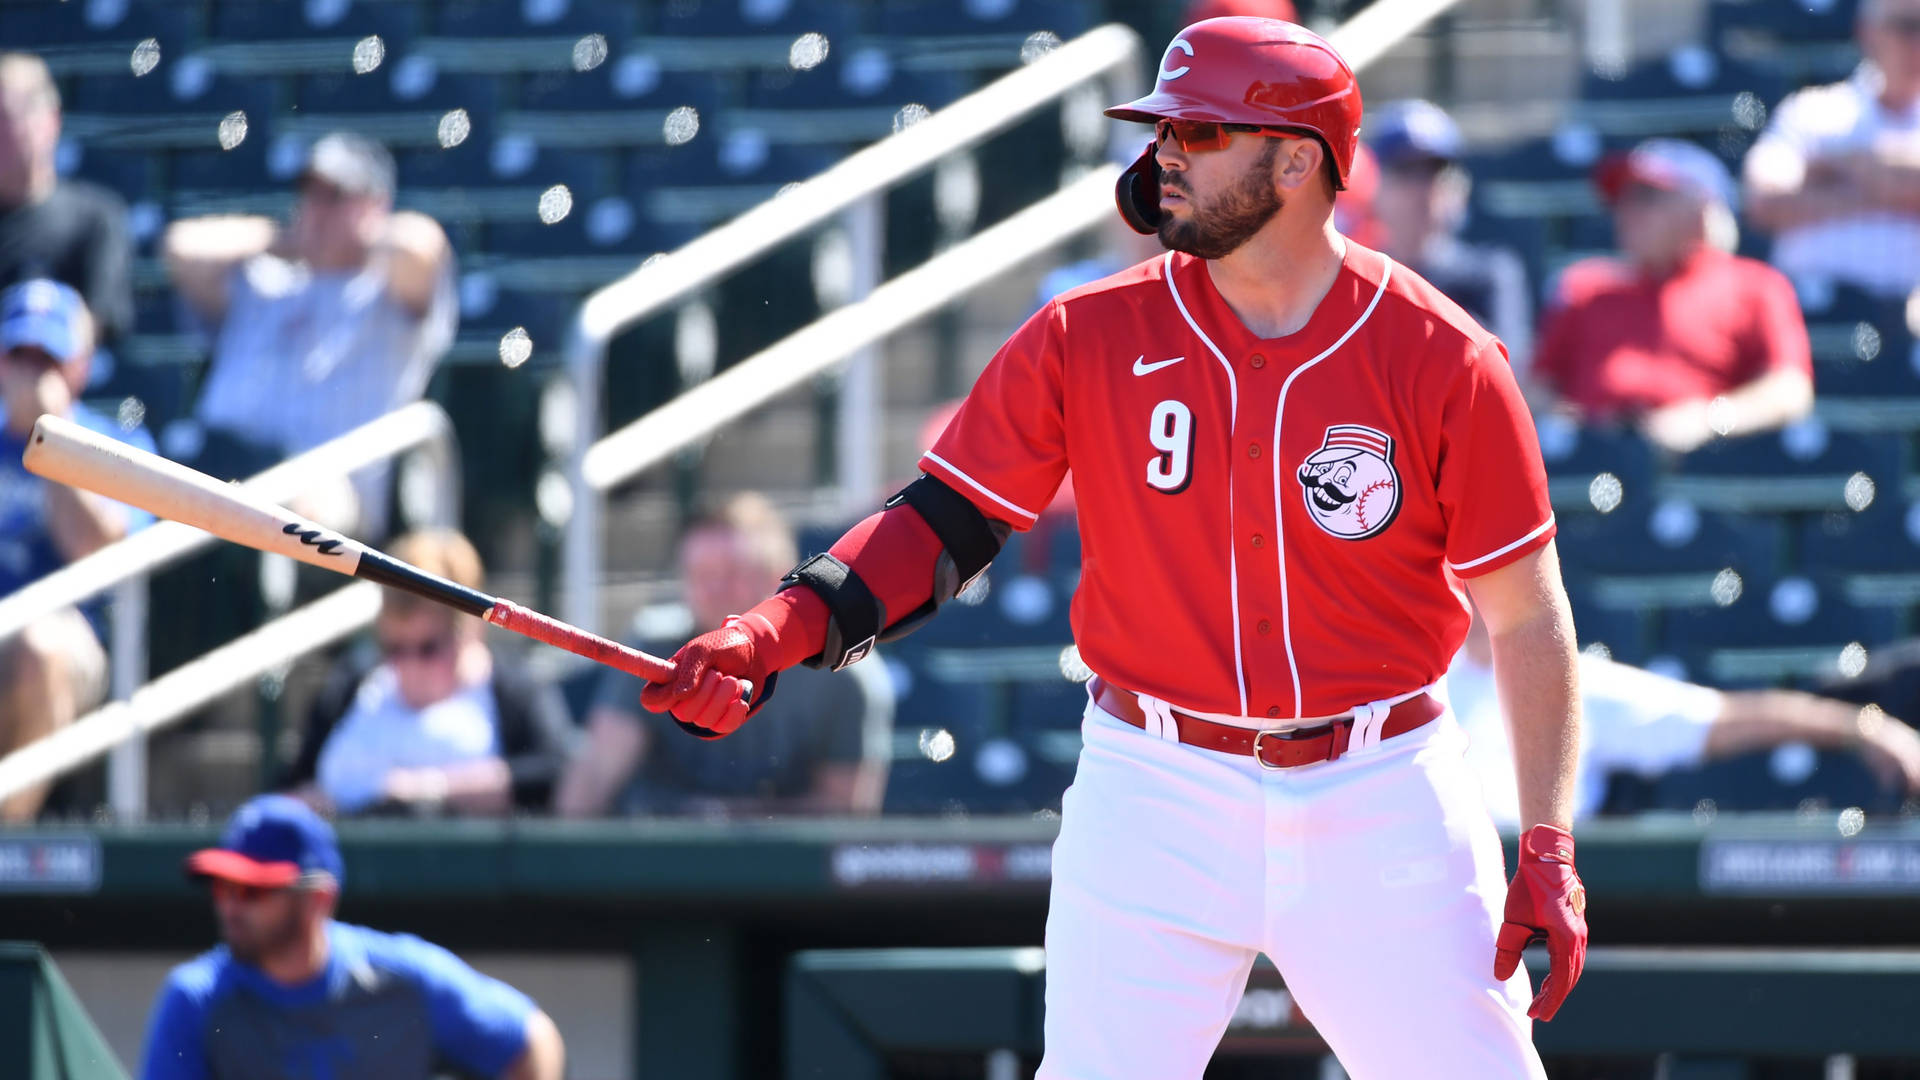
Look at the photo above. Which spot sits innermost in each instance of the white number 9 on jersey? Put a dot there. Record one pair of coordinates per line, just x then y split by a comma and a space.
1171, 432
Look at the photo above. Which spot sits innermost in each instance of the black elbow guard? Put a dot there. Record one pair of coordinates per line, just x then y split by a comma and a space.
856, 619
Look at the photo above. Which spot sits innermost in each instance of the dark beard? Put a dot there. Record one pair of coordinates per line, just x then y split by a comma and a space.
1230, 219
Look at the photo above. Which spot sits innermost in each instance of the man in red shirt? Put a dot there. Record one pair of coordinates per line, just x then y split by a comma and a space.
1677, 337
1281, 442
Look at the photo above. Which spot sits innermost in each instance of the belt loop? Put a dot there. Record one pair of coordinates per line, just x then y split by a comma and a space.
1367, 721
1159, 717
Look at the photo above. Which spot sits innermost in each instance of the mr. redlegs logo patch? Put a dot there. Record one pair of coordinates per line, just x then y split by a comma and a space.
1350, 485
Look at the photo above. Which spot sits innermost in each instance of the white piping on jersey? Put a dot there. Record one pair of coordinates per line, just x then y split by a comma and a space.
978, 486
1233, 415
1279, 512
1491, 555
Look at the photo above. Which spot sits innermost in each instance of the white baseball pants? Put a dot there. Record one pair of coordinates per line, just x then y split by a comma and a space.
1374, 883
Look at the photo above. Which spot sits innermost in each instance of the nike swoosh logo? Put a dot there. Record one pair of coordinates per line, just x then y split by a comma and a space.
1141, 367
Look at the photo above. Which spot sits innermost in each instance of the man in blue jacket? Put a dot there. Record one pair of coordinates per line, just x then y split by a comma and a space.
296, 995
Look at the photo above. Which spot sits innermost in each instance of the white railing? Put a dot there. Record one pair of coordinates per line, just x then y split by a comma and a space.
123, 567
596, 465
191, 686
863, 176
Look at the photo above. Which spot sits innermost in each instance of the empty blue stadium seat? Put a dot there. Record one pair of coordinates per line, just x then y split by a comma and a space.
1577, 455
489, 310
1688, 70
1808, 448
1797, 21
535, 18
1864, 359
395, 22
1670, 537
412, 84
463, 164
729, 18
183, 87
741, 155
631, 81
242, 170
49, 26
864, 76
1883, 538
1622, 632
911, 18
1788, 611
1046, 704
134, 174
1754, 782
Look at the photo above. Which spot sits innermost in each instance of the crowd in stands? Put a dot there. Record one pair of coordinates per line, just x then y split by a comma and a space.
339, 313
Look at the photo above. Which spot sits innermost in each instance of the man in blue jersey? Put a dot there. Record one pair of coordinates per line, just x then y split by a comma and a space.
295, 995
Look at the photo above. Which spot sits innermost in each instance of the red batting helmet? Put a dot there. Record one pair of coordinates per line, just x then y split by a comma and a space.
1243, 70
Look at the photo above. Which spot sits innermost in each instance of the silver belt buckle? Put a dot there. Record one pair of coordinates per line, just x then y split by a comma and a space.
1283, 734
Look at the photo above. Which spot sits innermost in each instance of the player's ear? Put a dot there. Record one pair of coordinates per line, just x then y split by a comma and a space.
1298, 163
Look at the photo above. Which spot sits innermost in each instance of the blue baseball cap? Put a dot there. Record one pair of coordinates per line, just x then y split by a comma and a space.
45, 315
1412, 130
273, 841
1670, 165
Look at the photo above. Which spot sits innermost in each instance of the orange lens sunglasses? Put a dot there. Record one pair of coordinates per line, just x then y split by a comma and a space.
1197, 135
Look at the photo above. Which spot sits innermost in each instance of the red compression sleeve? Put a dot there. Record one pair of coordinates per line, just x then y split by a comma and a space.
893, 551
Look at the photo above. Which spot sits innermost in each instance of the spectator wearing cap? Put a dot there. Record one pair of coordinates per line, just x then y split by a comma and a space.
1420, 208
1836, 174
67, 230
320, 325
54, 669
294, 993
1676, 336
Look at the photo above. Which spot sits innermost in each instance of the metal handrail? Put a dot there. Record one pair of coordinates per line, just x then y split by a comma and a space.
659, 283
189, 687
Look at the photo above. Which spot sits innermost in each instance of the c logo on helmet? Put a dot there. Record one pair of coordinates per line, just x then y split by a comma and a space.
1168, 75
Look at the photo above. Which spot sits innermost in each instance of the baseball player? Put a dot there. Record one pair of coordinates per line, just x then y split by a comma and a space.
1281, 443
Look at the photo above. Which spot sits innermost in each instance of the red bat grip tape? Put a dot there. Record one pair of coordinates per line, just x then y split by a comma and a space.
520, 620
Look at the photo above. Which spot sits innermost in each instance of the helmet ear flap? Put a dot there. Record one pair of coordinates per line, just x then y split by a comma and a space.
1138, 193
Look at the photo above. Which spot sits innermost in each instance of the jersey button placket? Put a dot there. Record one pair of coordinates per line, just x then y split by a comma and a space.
1253, 450
1257, 361
1263, 628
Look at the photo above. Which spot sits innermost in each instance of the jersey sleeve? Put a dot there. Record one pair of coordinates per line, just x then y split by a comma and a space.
1006, 449
1492, 484
479, 1023
176, 1034
1780, 329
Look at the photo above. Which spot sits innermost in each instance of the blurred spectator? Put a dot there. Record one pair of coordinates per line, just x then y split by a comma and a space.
821, 745
1636, 721
1422, 205
1836, 175
54, 669
323, 325
440, 721
294, 993
1678, 337
67, 230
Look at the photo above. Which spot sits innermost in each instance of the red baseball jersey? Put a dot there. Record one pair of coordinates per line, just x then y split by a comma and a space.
1266, 525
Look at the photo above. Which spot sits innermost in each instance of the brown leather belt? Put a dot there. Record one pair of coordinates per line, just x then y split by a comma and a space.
1272, 749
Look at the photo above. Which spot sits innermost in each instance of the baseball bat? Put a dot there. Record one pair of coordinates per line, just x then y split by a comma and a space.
63, 451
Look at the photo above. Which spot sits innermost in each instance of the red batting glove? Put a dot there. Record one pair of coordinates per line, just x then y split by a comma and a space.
1545, 901
713, 678
720, 676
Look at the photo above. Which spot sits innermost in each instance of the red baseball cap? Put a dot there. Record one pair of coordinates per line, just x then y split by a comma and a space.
272, 842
